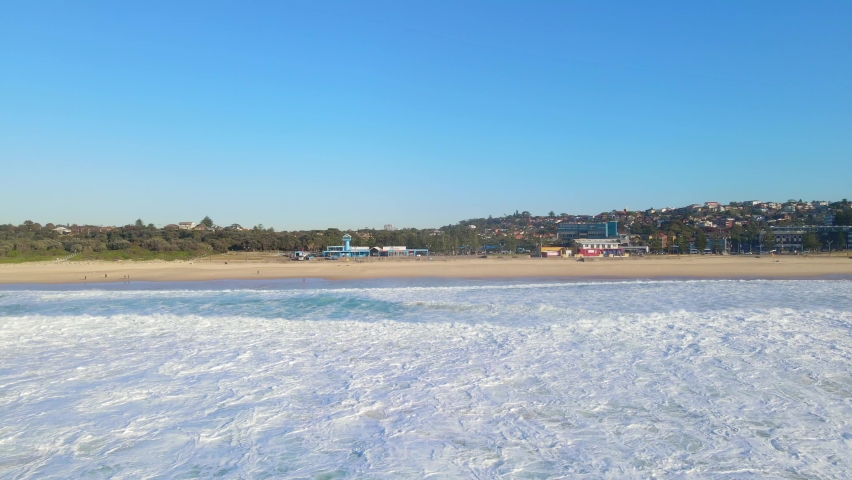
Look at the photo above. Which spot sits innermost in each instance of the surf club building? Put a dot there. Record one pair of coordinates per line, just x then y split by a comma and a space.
599, 247
348, 251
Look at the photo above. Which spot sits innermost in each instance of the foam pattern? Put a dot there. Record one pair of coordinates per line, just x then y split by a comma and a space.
715, 379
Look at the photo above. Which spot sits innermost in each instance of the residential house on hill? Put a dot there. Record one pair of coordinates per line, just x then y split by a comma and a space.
725, 222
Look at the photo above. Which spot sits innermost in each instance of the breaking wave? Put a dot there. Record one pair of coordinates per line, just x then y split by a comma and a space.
619, 379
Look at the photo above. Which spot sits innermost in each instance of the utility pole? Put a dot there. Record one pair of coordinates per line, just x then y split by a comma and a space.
829, 247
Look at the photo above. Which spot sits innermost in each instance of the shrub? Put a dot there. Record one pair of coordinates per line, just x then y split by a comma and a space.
158, 245
118, 244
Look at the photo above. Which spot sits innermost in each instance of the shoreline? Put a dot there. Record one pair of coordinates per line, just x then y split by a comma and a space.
645, 268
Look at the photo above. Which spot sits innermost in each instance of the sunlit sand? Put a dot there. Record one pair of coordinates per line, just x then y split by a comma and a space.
447, 267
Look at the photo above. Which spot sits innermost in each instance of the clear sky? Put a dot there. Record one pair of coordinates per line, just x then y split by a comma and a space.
305, 115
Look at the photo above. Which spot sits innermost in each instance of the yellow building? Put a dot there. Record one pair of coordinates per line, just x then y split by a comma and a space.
553, 252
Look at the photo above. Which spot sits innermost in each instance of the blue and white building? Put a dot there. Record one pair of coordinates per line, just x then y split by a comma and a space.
346, 250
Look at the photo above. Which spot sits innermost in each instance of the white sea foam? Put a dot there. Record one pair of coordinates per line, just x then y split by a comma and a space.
622, 379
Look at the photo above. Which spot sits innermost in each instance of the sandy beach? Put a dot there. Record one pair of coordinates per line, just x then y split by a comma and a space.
734, 267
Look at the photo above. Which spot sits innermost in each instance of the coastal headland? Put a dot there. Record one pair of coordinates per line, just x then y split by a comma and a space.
650, 267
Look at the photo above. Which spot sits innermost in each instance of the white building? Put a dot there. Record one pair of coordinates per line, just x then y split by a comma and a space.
599, 247
186, 225
397, 251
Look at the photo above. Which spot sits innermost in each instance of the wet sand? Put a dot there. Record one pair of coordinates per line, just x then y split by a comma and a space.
733, 267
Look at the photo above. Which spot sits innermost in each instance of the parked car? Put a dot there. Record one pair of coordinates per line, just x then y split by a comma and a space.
301, 256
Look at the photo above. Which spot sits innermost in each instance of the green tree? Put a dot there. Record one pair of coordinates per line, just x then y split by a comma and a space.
810, 241
656, 243
843, 217
511, 245
551, 214
700, 241
682, 244
207, 222
139, 223
768, 241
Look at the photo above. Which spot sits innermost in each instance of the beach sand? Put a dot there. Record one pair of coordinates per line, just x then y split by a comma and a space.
733, 267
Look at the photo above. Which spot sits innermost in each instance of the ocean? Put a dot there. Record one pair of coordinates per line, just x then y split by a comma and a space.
427, 378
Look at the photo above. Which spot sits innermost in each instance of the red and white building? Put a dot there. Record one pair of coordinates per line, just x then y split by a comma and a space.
599, 247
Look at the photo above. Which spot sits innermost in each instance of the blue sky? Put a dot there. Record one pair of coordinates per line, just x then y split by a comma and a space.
305, 115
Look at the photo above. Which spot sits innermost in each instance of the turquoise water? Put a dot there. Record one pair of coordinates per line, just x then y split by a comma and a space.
445, 378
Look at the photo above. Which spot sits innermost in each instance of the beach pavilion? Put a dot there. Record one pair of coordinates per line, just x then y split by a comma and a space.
346, 250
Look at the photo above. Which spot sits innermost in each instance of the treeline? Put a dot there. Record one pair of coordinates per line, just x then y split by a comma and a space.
32, 241
682, 235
